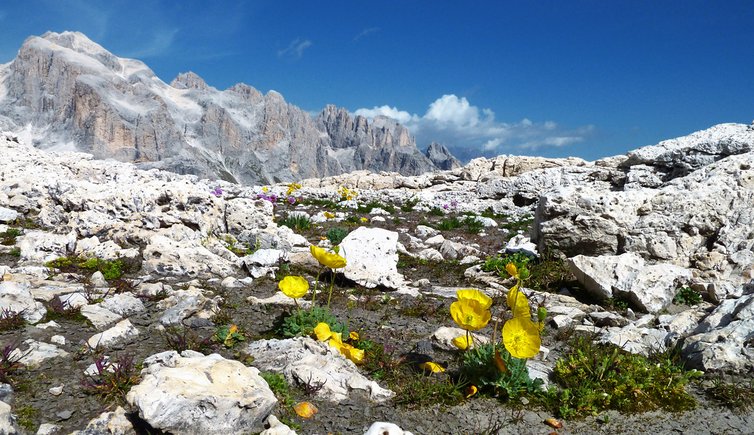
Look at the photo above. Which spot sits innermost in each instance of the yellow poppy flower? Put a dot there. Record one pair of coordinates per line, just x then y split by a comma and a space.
292, 187
364, 220
474, 294
512, 270
294, 286
327, 259
328, 215
305, 409
462, 343
354, 336
432, 367
322, 331
470, 314
352, 353
518, 303
521, 337
265, 189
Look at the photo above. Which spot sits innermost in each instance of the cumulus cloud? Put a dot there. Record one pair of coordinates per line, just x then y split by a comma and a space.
470, 131
295, 49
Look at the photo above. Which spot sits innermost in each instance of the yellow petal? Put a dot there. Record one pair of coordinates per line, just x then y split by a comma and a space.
518, 302
305, 409
354, 336
337, 344
469, 314
352, 353
474, 294
471, 390
322, 331
327, 259
461, 342
432, 367
329, 215
294, 286
521, 337
233, 329
511, 269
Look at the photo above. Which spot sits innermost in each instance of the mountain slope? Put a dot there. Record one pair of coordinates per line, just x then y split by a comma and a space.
68, 92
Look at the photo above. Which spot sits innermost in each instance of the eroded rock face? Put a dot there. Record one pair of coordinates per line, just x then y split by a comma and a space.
193, 393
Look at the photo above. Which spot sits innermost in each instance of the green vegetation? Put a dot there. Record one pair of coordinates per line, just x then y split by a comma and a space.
27, 417
733, 395
302, 322
15, 252
494, 371
336, 235
110, 269
8, 237
9, 363
228, 335
409, 205
598, 377
57, 309
436, 211
687, 296
368, 207
236, 247
297, 222
25, 223
279, 386
497, 263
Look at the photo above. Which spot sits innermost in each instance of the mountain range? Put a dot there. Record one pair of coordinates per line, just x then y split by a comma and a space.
64, 91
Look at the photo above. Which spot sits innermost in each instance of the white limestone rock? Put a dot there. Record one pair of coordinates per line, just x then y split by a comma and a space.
372, 257
189, 303
276, 427
635, 339
177, 251
123, 331
124, 304
110, 423
17, 297
648, 287
7, 420
193, 393
521, 243
36, 352
7, 215
301, 359
40, 246
443, 337
99, 315
383, 428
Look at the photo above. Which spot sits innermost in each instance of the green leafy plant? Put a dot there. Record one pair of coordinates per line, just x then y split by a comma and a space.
497, 263
236, 247
336, 235
110, 269
687, 296
15, 252
472, 225
494, 371
27, 417
597, 377
228, 335
409, 205
297, 222
436, 211
8, 237
302, 322
279, 386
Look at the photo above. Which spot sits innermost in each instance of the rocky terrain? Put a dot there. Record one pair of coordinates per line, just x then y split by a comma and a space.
123, 343
64, 91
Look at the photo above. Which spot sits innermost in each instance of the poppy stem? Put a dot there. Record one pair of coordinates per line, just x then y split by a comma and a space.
468, 339
332, 284
298, 307
316, 286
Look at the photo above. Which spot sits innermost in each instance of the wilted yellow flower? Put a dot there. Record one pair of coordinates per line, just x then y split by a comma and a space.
474, 294
470, 314
328, 215
521, 337
500, 362
327, 259
305, 409
322, 331
518, 302
463, 342
294, 286
471, 390
354, 354
354, 336
432, 367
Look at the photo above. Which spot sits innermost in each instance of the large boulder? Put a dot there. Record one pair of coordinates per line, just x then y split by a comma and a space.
372, 257
192, 393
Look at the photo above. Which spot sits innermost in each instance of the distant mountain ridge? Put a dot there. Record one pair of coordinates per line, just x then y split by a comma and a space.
68, 92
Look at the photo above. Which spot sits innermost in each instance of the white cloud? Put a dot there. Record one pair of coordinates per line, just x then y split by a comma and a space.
401, 116
295, 49
366, 32
469, 131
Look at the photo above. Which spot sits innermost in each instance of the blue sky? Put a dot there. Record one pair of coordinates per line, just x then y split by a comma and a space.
552, 78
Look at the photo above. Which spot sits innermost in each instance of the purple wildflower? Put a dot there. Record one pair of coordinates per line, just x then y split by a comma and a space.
217, 191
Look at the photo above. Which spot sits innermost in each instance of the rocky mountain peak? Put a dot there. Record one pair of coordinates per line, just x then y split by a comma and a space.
189, 80
440, 156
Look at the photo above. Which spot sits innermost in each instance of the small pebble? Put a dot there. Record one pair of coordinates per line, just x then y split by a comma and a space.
56, 391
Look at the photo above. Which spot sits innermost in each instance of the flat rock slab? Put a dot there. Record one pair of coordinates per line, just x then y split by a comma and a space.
17, 297
123, 331
302, 359
192, 393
